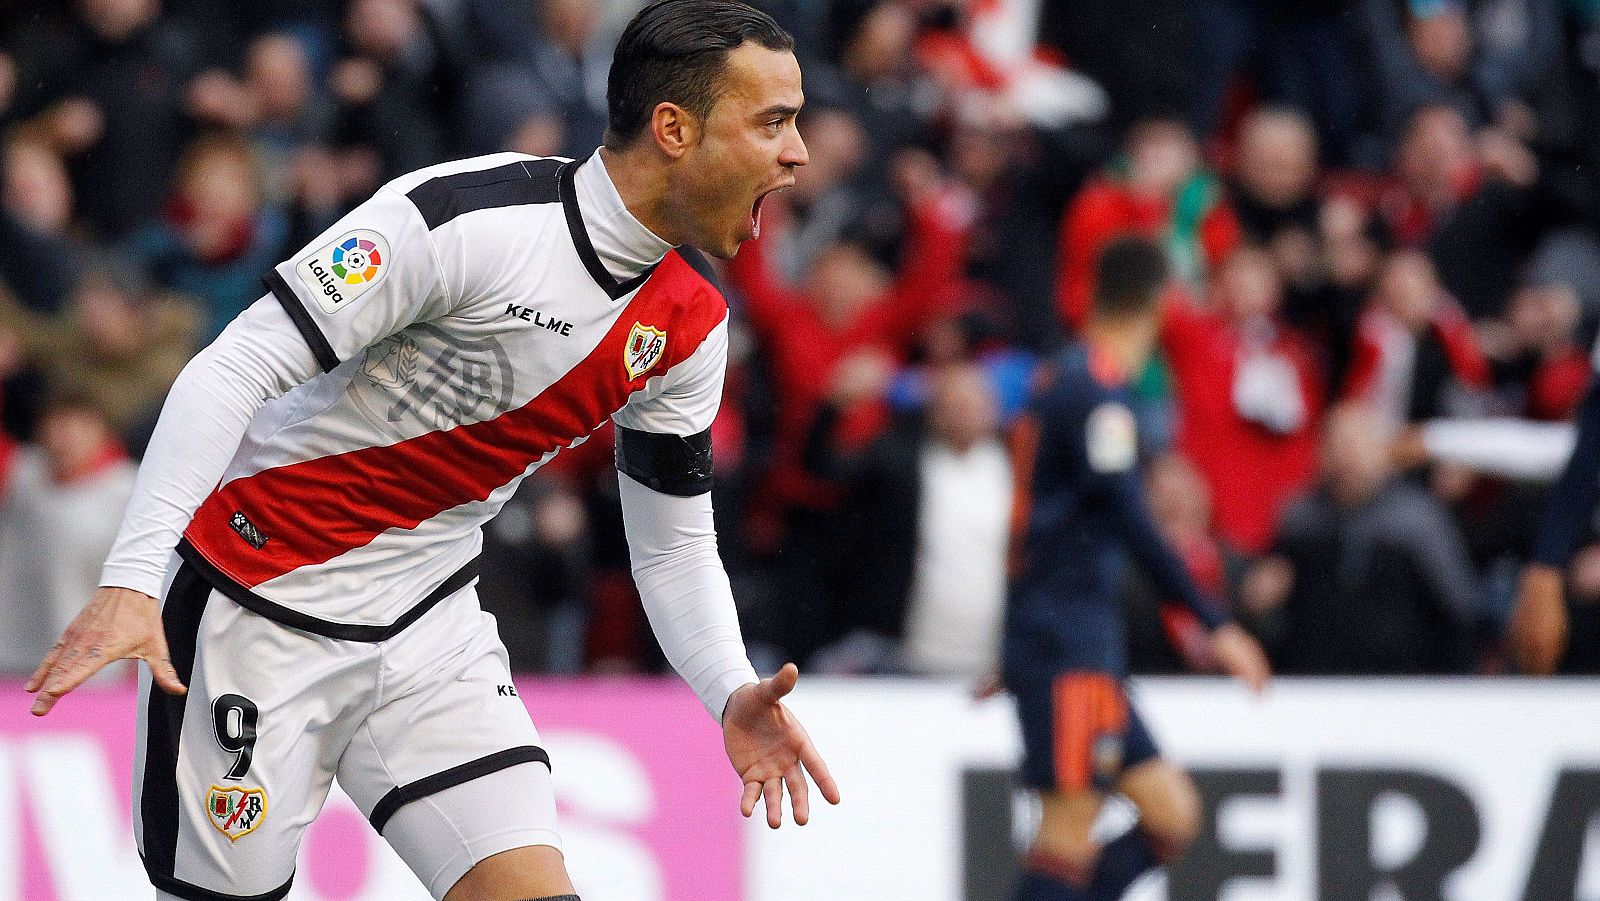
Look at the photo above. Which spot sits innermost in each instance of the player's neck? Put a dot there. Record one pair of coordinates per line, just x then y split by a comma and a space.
1123, 345
643, 189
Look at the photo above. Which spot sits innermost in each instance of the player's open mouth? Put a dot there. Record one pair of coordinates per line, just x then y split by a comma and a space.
755, 208
755, 214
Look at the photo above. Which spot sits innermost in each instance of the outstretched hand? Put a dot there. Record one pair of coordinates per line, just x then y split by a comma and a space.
768, 749
118, 623
1241, 656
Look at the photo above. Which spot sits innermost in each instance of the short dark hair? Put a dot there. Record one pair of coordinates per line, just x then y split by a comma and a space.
675, 51
1129, 277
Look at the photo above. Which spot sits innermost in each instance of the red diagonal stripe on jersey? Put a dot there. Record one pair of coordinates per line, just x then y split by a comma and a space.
318, 509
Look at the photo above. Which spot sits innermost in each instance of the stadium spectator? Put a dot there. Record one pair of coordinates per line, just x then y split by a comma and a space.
878, 79
1540, 369
273, 102
1272, 190
1157, 189
542, 89
1369, 570
850, 302
1023, 178
1163, 636
1249, 393
1467, 202
217, 235
829, 198
932, 499
1300, 55
119, 344
536, 558
396, 86
1485, 58
38, 255
1416, 356
1351, 244
1274, 177
59, 512
112, 78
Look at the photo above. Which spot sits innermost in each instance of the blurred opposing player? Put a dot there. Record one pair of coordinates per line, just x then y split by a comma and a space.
330, 459
1064, 657
1540, 622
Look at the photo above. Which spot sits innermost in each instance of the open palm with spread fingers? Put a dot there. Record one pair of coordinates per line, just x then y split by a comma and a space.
118, 624
770, 750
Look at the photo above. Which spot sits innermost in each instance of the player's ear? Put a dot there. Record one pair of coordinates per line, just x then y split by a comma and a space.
674, 129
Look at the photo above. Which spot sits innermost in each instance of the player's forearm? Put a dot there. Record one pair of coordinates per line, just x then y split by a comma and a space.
258, 357
673, 545
1512, 448
1158, 556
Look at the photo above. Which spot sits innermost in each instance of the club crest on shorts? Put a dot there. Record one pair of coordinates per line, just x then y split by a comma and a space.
236, 811
645, 346
1107, 753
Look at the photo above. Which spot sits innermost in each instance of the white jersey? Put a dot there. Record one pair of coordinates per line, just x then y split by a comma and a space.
468, 332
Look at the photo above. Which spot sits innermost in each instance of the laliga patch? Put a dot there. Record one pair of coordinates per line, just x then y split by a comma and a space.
342, 271
1110, 438
236, 811
643, 351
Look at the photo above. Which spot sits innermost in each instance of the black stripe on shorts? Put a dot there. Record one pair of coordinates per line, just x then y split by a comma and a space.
191, 892
316, 625
456, 775
158, 803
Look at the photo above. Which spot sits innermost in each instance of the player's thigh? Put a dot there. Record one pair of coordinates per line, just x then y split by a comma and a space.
228, 775
1065, 843
533, 871
1168, 804
450, 770
1073, 724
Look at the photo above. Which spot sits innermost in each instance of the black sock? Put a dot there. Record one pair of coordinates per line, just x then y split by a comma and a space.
1121, 863
1036, 886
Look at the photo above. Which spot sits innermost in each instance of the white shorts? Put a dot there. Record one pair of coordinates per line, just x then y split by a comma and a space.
423, 730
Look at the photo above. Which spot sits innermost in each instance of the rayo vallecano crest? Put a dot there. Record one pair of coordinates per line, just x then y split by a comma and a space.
645, 346
236, 811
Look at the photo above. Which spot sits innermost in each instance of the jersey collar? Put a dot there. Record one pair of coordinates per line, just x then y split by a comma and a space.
609, 240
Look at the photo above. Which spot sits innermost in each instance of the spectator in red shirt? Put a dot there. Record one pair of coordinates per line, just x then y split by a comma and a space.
1466, 199
850, 306
1538, 362
1416, 356
849, 303
1158, 189
1249, 393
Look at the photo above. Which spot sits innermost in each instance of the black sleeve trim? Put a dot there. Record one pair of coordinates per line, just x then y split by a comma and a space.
442, 199
399, 797
320, 348
671, 464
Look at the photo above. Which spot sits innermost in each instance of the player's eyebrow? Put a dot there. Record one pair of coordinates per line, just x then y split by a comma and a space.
779, 109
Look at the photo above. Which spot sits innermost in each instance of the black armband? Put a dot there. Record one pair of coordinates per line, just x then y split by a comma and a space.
671, 464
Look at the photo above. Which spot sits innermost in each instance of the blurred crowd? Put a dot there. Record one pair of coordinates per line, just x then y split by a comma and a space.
1384, 216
